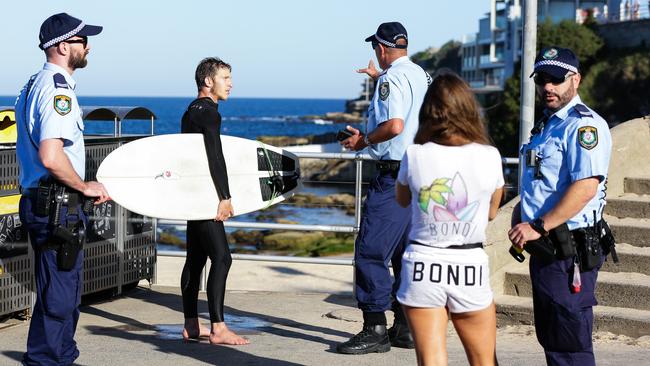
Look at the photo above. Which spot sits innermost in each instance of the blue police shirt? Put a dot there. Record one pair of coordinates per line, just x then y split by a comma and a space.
399, 94
48, 110
575, 144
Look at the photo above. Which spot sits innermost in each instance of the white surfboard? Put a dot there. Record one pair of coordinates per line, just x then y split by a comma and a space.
168, 176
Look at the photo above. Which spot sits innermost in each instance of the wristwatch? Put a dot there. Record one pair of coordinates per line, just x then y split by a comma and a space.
538, 225
366, 140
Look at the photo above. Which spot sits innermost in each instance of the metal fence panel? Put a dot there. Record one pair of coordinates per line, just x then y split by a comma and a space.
139, 258
8, 173
15, 284
15, 262
113, 255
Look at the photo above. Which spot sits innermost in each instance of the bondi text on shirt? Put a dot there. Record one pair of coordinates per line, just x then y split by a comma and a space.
451, 274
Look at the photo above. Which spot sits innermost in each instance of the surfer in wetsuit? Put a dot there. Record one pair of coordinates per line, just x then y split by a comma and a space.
207, 238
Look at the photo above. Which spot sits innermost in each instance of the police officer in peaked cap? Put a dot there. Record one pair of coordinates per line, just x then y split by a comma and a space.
383, 233
559, 218
51, 155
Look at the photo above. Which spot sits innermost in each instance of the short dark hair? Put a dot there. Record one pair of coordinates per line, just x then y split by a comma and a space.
208, 67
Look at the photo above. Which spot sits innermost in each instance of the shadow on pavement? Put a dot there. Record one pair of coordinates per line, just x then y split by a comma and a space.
14, 355
199, 351
204, 351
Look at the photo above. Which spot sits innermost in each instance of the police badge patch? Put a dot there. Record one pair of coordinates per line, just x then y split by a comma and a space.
384, 90
588, 137
550, 54
62, 104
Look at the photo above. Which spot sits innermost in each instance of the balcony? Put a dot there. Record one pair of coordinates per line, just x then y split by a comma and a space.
468, 39
486, 61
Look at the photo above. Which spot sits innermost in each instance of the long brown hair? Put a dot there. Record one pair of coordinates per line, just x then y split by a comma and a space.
450, 109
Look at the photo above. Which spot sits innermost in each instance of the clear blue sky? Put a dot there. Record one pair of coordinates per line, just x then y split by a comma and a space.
281, 48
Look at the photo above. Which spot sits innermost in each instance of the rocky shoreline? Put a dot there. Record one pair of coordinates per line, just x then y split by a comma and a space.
336, 117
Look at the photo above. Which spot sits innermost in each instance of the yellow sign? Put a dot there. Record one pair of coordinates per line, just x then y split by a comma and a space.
7, 126
9, 204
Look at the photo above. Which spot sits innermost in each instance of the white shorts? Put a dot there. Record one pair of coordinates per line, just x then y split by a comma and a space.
434, 277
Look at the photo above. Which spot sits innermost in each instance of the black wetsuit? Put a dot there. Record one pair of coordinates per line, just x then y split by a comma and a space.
207, 238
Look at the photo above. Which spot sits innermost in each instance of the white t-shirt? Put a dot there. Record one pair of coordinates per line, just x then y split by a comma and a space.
451, 187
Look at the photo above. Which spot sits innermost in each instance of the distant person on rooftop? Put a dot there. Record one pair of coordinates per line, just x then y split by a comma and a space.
392, 122
207, 238
452, 178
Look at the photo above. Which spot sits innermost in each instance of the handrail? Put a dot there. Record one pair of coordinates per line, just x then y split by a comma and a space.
273, 226
270, 258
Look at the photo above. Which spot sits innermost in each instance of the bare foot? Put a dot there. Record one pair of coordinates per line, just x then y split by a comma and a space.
194, 330
222, 335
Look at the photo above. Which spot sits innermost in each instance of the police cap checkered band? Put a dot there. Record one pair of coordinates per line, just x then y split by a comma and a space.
388, 34
556, 61
62, 26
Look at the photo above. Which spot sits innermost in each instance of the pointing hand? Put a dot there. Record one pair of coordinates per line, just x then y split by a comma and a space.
371, 70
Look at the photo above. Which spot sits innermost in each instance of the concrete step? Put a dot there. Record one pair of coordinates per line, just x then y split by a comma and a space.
638, 185
629, 205
631, 259
626, 290
630, 230
514, 310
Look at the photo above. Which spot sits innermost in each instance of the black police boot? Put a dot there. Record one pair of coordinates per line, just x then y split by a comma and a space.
373, 338
399, 333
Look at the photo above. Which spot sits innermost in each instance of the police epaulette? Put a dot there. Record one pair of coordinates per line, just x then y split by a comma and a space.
583, 110
60, 82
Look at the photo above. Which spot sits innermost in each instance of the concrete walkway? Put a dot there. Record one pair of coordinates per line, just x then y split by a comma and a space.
143, 328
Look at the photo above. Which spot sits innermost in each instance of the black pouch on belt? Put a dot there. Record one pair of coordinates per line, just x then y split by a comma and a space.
565, 245
589, 250
71, 242
542, 249
71, 236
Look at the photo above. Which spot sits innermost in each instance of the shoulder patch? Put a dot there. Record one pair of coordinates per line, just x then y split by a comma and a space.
384, 90
588, 137
60, 82
62, 104
583, 110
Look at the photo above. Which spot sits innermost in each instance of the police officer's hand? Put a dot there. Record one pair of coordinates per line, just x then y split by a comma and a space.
96, 189
521, 233
354, 142
371, 70
224, 211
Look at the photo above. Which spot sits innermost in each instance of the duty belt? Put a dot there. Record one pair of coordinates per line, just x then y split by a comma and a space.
388, 166
75, 197
461, 246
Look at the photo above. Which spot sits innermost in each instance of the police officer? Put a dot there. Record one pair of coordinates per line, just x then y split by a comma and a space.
51, 156
563, 187
392, 124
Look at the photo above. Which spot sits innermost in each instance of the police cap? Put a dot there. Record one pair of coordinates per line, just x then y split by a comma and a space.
388, 34
62, 26
556, 61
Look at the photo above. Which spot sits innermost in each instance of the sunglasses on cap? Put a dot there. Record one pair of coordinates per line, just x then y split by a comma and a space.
83, 40
542, 79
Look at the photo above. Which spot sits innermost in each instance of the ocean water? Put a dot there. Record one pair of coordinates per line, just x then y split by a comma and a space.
241, 117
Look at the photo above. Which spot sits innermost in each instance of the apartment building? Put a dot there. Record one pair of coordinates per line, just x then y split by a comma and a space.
489, 56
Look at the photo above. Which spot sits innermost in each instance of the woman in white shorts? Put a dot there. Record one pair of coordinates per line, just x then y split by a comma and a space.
453, 179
